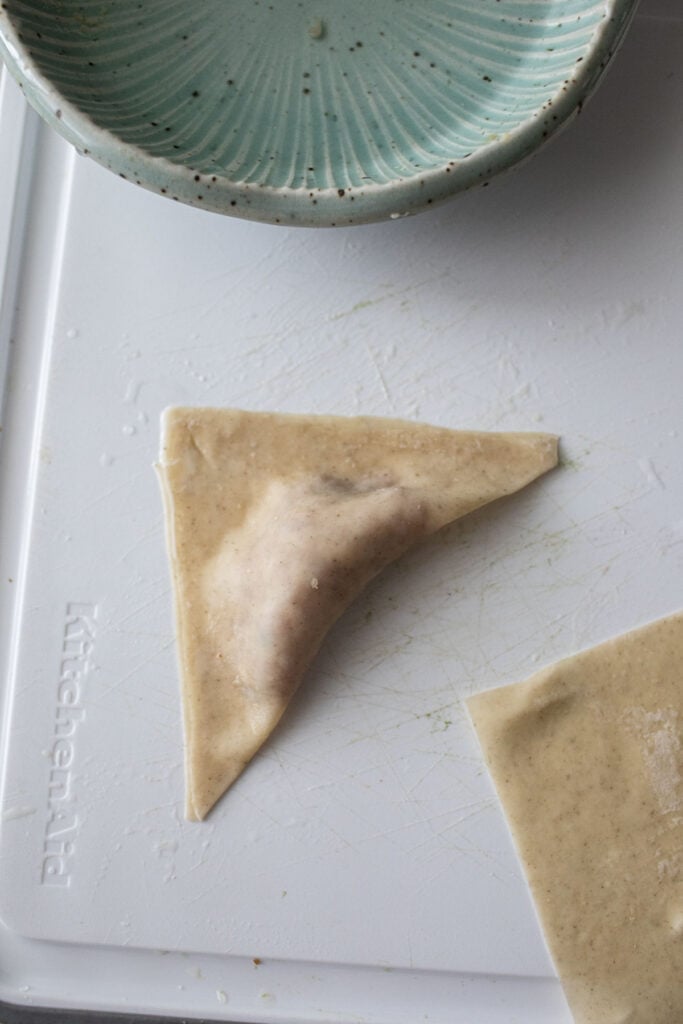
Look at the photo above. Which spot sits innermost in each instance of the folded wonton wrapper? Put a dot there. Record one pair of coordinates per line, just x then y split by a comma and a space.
274, 524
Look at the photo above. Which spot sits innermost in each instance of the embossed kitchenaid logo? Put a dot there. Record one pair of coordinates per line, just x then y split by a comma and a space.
61, 826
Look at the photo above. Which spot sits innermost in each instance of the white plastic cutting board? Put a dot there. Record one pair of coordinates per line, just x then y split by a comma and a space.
363, 856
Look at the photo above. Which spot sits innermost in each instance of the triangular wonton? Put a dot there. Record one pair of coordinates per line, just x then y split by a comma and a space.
274, 524
587, 757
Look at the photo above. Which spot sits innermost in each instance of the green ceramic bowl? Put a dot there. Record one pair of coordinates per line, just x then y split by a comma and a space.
312, 112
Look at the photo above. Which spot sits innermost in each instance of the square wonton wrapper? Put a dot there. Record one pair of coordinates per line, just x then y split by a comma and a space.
587, 758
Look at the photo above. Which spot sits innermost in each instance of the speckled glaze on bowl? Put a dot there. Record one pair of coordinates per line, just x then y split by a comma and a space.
310, 112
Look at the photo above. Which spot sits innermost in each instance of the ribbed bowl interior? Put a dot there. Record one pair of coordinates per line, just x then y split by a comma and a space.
308, 96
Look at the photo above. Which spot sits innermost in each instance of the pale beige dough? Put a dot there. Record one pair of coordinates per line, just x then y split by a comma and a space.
274, 524
587, 757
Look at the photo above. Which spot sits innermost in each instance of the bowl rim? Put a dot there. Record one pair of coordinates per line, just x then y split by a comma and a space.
302, 206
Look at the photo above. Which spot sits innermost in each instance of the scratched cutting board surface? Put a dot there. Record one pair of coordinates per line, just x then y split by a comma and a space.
366, 832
